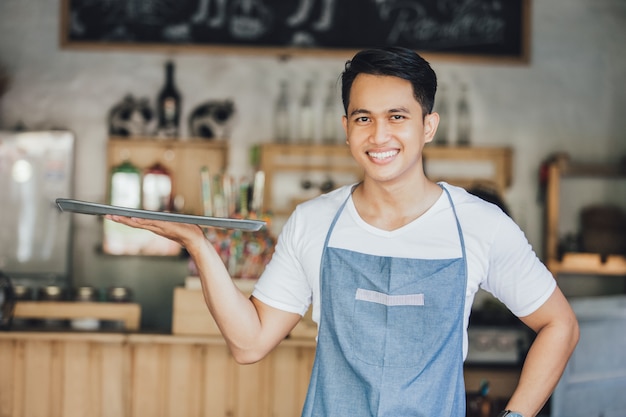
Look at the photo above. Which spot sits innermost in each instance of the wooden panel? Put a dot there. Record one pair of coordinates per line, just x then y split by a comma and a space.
9, 390
552, 212
219, 382
114, 372
252, 389
190, 314
148, 380
291, 372
183, 388
80, 396
37, 380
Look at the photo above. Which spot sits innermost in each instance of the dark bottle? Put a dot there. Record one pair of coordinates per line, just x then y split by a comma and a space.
168, 105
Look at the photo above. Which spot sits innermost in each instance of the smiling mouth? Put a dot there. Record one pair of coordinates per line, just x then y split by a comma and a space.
382, 155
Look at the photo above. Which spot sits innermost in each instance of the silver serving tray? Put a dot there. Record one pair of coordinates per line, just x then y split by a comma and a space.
86, 207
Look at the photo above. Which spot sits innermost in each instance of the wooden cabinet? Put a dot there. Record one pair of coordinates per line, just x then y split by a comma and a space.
576, 262
136, 375
183, 159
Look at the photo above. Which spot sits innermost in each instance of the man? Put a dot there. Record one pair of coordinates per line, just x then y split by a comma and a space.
391, 265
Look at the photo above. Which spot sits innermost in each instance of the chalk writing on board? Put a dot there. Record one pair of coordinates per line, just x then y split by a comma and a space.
493, 26
466, 22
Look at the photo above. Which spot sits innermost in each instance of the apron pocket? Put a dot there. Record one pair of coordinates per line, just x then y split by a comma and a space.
387, 329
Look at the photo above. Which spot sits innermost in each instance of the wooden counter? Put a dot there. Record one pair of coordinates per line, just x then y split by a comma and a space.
46, 374
100, 374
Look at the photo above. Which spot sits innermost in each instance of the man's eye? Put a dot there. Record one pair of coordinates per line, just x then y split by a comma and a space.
397, 117
362, 119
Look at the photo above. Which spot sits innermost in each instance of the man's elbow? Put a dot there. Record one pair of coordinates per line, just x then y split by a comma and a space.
574, 332
246, 356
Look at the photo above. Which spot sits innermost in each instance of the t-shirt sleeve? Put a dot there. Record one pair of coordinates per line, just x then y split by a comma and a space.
516, 276
283, 284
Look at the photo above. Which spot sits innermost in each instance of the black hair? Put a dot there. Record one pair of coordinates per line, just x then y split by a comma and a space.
397, 62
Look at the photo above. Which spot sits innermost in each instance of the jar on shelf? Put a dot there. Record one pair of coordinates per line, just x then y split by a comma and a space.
119, 295
85, 294
49, 293
22, 292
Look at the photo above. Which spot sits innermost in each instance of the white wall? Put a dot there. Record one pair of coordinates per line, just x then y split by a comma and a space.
570, 97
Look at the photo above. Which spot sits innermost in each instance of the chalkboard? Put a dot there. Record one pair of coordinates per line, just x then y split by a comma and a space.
492, 29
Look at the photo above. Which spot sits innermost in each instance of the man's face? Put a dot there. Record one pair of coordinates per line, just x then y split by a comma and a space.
385, 128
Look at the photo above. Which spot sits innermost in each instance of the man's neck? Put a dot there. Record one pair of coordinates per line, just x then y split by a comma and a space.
391, 206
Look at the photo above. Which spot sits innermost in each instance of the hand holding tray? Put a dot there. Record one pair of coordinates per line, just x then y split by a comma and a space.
85, 207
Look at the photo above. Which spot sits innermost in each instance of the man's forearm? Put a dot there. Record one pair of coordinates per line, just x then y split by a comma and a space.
250, 328
543, 367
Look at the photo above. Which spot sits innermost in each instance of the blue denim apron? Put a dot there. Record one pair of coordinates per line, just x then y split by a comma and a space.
390, 335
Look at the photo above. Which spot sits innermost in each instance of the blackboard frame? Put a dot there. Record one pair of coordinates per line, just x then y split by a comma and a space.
520, 56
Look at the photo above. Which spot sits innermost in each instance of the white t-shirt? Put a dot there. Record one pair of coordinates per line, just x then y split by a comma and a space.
499, 258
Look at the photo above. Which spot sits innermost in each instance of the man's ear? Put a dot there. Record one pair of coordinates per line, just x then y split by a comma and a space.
431, 121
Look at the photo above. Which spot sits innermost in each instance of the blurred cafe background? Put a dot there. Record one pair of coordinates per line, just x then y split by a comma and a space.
232, 109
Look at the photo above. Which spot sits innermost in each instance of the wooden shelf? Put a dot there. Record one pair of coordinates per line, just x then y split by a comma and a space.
298, 159
496, 164
592, 170
469, 166
588, 263
183, 158
576, 262
128, 313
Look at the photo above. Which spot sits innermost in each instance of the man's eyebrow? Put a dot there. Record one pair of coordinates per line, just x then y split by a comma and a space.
359, 111
399, 110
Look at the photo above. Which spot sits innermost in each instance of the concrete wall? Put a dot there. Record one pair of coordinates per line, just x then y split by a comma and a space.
570, 97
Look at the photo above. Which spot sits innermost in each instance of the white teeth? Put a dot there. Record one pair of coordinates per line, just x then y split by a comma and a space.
382, 155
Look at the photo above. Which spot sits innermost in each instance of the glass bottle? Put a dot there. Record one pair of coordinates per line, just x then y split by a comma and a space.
281, 115
442, 137
125, 185
168, 105
306, 115
157, 188
463, 119
329, 117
